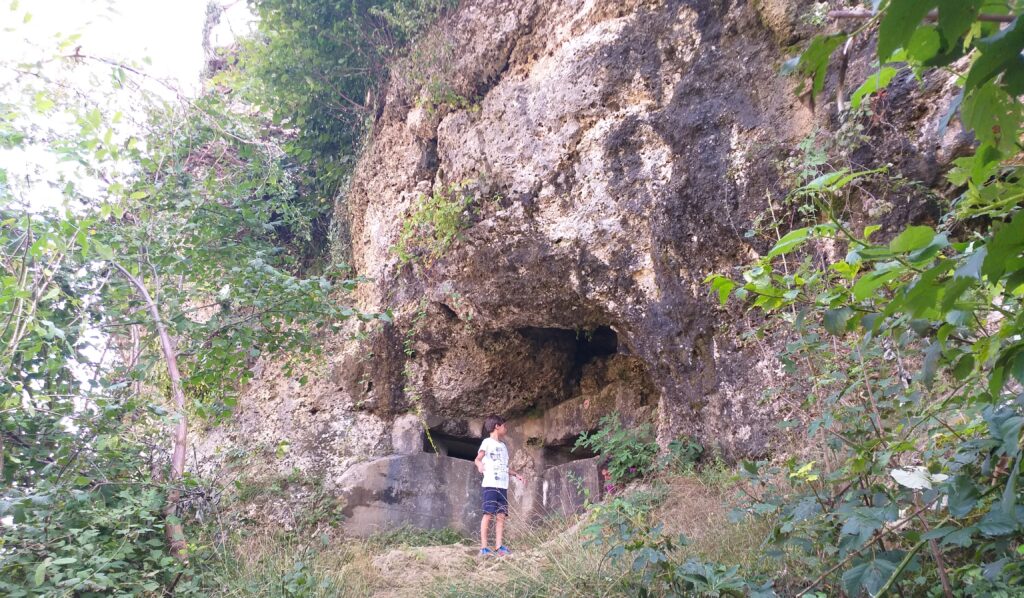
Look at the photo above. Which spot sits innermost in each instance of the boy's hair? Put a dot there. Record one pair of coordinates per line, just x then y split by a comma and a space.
492, 421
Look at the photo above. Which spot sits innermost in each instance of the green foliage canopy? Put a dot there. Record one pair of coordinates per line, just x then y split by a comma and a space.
912, 346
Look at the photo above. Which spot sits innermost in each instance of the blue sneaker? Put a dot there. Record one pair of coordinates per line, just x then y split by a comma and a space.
503, 551
486, 552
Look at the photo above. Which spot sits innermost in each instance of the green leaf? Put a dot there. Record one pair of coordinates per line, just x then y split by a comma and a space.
723, 286
924, 43
963, 496
1006, 243
961, 537
994, 116
964, 367
997, 523
938, 533
867, 284
899, 23
868, 576
835, 320
790, 241
931, 363
872, 84
971, 268
813, 62
864, 521
40, 574
912, 238
104, 251
998, 52
956, 17
42, 102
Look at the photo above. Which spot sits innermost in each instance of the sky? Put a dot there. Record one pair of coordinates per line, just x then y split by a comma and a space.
167, 32
163, 38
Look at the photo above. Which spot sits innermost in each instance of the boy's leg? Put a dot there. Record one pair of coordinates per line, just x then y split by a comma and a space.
499, 529
485, 524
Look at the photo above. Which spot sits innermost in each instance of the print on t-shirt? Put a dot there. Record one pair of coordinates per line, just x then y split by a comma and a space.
495, 464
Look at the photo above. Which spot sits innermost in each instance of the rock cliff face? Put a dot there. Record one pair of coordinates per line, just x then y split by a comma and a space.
616, 152
628, 145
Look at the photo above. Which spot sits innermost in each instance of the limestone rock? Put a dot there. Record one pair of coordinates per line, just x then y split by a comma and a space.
617, 152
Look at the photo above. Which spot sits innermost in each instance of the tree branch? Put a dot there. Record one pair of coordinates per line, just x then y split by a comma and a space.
174, 530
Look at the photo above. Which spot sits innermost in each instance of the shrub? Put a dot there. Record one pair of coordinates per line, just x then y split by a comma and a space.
630, 452
683, 453
906, 346
624, 530
434, 223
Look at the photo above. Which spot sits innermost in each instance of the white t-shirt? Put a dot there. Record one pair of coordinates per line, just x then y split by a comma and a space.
495, 463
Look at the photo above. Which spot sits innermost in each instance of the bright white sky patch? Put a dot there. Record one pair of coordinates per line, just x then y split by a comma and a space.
167, 32
162, 38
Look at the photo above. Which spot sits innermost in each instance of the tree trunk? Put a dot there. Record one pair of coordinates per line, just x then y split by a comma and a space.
173, 528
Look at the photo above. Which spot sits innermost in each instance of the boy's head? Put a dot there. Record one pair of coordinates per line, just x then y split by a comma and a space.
494, 426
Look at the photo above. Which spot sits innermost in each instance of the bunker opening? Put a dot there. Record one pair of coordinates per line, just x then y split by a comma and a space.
457, 447
560, 454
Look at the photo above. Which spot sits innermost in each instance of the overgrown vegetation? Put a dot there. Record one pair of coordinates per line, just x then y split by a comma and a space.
318, 67
627, 453
912, 344
169, 248
186, 241
429, 68
434, 223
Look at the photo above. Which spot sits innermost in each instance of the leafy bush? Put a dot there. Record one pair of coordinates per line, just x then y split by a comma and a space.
434, 223
630, 452
98, 529
683, 453
197, 205
317, 65
908, 350
623, 529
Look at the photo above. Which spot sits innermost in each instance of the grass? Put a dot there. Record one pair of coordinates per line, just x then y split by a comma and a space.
413, 537
273, 565
550, 558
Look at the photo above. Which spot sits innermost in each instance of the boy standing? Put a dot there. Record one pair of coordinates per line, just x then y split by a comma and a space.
492, 461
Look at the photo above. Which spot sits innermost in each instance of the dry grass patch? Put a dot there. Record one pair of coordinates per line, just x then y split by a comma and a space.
550, 559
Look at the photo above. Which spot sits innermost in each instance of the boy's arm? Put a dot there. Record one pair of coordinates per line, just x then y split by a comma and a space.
517, 475
479, 461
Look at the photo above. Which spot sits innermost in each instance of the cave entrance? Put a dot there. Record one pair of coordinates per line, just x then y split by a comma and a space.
457, 447
591, 344
581, 347
555, 455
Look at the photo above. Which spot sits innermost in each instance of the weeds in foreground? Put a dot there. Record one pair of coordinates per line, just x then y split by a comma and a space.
553, 557
286, 566
413, 537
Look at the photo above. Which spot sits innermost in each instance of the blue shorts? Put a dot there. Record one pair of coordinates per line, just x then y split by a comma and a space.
495, 501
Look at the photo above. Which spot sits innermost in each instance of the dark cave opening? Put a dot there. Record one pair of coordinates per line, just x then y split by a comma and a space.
584, 345
448, 445
555, 455
600, 342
